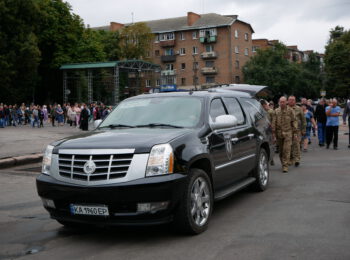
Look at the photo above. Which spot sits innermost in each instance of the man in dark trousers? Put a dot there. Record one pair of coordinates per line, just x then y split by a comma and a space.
346, 113
84, 118
321, 119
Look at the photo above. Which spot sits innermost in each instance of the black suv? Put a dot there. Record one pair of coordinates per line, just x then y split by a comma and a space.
159, 158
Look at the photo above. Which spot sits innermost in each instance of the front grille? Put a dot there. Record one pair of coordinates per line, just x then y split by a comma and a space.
108, 166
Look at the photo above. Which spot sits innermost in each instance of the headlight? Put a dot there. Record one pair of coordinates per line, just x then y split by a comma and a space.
160, 161
47, 160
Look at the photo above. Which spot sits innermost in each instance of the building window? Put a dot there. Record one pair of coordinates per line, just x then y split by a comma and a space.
157, 38
246, 36
194, 35
195, 66
167, 36
169, 52
254, 48
182, 36
183, 66
158, 82
209, 48
209, 79
169, 66
209, 63
237, 79
236, 49
208, 32
156, 52
236, 34
195, 81
183, 81
237, 64
195, 50
246, 51
148, 82
182, 51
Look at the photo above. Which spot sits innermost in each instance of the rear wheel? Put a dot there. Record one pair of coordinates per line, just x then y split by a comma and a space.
196, 204
261, 172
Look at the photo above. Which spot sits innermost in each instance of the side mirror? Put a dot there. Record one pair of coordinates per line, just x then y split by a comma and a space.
97, 123
224, 121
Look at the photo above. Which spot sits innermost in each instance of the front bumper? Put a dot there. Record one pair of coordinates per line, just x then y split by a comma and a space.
121, 199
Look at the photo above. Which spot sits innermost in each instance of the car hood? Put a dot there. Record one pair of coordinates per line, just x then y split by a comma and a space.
140, 139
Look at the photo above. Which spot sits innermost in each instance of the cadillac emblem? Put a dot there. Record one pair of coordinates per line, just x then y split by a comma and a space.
89, 167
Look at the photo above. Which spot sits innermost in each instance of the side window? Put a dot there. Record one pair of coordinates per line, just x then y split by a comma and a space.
216, 109
254, 108
234, 109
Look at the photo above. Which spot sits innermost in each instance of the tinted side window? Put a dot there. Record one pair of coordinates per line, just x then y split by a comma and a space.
234, 109
254, 108
216, 109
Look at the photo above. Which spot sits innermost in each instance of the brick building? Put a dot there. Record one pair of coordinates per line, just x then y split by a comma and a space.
199, 50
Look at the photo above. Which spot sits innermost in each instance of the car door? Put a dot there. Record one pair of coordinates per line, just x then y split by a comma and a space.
223, 148
244, 137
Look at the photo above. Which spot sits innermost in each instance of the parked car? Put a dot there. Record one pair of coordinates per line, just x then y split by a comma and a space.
158, 158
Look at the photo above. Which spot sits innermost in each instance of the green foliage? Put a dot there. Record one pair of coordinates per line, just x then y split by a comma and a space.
270, 67
337, 61
135, 41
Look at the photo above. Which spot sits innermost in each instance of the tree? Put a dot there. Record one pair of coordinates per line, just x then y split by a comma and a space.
337, 63
135, 41
270, 67
19, 53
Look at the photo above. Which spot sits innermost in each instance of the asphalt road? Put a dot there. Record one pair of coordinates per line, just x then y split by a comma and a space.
304, 214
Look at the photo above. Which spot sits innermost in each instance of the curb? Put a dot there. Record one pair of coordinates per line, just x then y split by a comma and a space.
20, 160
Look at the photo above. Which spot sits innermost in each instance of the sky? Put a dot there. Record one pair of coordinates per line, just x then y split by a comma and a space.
305, 23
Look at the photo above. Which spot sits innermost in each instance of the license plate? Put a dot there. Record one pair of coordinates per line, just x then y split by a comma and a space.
89, 210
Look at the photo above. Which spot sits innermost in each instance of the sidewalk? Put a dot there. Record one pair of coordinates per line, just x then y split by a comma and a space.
25, 144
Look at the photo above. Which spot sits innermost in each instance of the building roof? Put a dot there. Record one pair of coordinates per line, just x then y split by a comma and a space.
131, 64
209, 20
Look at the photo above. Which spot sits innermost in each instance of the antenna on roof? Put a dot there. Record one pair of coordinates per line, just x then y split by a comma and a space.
132, 17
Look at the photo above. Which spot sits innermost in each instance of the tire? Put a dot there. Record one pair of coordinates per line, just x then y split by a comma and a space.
193, 214
261, 172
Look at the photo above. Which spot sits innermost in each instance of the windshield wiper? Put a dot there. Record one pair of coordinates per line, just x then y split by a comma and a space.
159, 124
115, 125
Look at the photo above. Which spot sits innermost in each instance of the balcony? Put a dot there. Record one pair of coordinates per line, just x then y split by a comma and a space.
169, 43
209, 55
168, 58
208, 39
168, 72
209, 70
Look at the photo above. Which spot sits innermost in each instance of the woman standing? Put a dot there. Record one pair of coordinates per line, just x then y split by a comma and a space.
310, 122
59, 115
77, 110
45, 113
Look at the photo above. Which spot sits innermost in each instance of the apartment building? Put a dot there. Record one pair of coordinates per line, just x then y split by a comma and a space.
199, 50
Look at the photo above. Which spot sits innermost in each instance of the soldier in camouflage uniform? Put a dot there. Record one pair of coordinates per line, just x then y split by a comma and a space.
301, 122
285, 128
270, 116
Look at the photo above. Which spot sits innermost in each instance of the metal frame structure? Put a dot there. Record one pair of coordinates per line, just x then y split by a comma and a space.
128, 65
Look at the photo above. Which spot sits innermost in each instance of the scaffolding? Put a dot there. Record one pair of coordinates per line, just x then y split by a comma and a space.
108, 82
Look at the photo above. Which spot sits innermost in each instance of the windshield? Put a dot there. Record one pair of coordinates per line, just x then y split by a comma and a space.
156, 111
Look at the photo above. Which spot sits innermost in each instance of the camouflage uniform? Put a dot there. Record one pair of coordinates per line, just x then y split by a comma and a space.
301, 123
285, 127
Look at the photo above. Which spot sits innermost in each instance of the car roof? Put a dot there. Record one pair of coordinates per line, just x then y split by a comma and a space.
206, 93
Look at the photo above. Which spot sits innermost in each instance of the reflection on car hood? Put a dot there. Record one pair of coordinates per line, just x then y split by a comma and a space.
140, 139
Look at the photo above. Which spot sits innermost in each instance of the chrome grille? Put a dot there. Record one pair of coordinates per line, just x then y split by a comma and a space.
108, 166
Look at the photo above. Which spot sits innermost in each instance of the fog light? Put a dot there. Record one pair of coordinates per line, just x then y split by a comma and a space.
152, 207
48, 203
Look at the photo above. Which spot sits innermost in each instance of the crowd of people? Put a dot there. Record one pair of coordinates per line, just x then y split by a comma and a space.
78, 115
293, 125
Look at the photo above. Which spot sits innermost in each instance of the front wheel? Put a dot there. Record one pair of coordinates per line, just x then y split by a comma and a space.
196, 204
261, 172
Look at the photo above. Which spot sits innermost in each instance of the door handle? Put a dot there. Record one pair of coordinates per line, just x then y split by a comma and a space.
234, 140
251, 136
